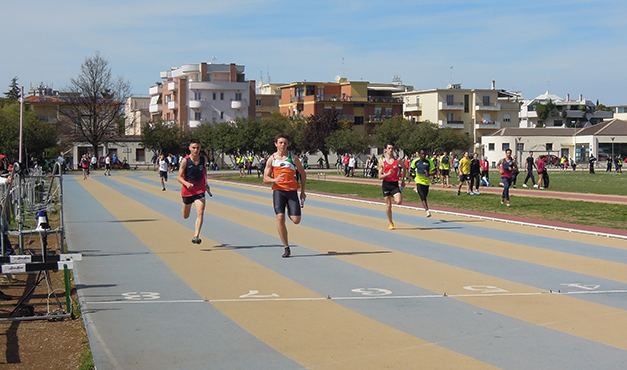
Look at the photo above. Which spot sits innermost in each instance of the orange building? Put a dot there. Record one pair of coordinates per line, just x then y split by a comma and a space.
363, 103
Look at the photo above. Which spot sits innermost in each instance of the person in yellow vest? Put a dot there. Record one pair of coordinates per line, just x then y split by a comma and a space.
239, 160
249, 165
445, 166
280, 171
464, 174
424, 168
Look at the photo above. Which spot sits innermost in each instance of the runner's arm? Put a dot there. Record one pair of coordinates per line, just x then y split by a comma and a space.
181, 174
303, 176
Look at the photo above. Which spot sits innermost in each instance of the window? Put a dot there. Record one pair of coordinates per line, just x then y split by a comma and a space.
388, 112
450, 117
215, 115
377, 112
221, 115
549, 147
140, 155
238, 96
197, 116
214, 96
276, 102
466, 103
258, 102
486, 101
558, 122
490, 146
221, 96
359, 120
197, 95
507, 117
520, 147
504, 146
209, 77
449, 100
311, 90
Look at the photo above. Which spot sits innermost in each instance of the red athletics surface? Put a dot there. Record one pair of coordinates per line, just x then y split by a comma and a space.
497, 190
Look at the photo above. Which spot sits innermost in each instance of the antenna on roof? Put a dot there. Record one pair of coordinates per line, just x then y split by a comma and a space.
548, 84
213, 58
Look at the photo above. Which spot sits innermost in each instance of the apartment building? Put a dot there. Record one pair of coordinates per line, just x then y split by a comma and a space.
476, 112
363, 103
193, 94
564, 112
136, 114
267, 99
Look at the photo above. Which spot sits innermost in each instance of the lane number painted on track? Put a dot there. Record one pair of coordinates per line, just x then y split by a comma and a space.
372, 291
581, 286
485, 289
255, 294
141, 296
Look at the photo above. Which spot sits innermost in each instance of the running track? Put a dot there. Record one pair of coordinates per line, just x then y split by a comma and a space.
450, 292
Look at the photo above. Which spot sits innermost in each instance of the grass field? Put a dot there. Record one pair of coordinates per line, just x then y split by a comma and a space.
577, 212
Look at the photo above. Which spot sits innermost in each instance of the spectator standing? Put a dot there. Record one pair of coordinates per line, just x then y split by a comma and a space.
445, 166
475, 173
351, 165
530, 165
591, 161
507, 166
618, 162
107, 171
94, 162
485, 171
464, 174
345, 161
456, 165
609, 164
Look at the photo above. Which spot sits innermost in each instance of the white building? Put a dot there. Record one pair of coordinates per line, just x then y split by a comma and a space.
566, 112
197, 93
601, 140
136, 114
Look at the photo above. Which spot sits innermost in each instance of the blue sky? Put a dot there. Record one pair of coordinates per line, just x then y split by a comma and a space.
575, 47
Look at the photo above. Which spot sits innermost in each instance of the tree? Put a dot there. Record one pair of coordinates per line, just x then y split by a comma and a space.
348, 140
396, 130
318, 129
162, 138
37, 136
95, 103
14, 92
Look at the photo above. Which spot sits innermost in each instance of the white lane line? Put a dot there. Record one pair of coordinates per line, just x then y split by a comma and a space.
445, 212
426, 296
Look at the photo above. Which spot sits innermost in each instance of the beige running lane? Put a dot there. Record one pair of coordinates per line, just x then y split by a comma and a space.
316, 332
567, 314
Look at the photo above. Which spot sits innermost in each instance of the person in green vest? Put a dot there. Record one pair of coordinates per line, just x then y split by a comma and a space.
423, 168
445, 166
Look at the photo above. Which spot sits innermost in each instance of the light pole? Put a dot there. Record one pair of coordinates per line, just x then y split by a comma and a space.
612, 148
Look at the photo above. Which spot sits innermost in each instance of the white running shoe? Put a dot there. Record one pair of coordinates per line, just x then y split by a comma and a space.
428, 214
535, 186
541, 188
525, 186
477, 192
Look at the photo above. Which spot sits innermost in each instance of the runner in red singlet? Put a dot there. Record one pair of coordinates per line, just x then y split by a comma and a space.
390, 171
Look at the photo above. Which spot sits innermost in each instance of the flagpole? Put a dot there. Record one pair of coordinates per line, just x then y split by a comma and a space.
21, 124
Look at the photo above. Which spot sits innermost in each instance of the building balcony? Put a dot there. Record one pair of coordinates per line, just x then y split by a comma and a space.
155, 90
196, 123
155, 108
172, 105
488, 125
296, 99
238, 104
384, 99
451, 124
333, 97
172, 86
413, 107
198, 104
454, 106
378, 117
574, 113
346, 117
490, 107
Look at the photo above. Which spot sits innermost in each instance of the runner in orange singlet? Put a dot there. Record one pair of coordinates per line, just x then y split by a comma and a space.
280, 171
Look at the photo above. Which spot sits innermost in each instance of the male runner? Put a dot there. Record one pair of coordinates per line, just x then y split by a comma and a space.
530, 166
390, 171
280, 171
464, 174
475, 174
507, 166
193, 177
423, 168
444, 169
164, 167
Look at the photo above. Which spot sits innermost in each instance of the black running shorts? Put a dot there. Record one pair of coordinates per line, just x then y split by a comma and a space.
289, 199
423, 191
193, 198
390, 188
